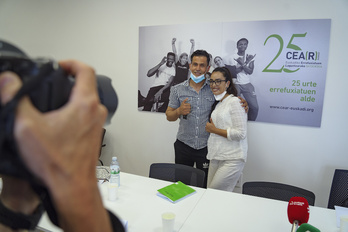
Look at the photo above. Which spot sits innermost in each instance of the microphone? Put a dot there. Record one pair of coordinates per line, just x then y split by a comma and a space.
298, 212
184, 116
307, 228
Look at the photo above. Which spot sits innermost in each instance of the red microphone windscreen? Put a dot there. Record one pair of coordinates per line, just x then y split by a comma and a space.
298, 210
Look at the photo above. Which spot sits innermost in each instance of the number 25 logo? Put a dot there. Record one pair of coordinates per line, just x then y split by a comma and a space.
281, 45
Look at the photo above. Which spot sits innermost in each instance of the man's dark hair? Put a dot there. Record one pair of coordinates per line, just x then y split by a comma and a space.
171, 54
201, 53
241, 40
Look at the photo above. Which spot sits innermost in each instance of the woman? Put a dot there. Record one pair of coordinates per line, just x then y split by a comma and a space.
227, 143
182, 63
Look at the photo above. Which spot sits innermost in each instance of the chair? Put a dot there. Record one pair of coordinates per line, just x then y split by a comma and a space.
277, 191
101, 146
339, 189
177, 172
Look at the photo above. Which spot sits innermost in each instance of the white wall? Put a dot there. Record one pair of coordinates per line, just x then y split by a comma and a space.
105, 35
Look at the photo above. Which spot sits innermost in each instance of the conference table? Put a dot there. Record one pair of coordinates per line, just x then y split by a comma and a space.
139, 205
206, 210
225, 211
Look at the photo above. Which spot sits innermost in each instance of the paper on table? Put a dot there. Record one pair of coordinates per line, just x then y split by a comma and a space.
340, 211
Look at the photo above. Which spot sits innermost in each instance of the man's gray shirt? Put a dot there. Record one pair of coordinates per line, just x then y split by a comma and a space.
192, 130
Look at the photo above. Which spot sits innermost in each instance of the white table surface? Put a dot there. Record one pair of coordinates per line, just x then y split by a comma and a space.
142, 208
207, 210
221, 211
138, 204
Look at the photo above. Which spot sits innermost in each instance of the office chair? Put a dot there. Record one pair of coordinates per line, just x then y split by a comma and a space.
177, 172
277, 191
101, 146
339, 189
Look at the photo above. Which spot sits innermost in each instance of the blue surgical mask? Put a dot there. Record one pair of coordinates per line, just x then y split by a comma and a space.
197, 79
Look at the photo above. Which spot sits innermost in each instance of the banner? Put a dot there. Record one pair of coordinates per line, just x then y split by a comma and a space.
288, 59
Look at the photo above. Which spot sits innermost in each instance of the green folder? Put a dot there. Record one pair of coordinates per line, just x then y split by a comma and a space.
176, 192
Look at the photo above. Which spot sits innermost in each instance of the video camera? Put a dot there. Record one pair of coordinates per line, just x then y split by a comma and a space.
49, 88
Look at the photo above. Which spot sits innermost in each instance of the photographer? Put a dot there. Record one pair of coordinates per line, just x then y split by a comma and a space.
61, 149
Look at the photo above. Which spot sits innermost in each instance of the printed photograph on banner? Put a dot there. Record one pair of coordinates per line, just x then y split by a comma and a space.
280, 66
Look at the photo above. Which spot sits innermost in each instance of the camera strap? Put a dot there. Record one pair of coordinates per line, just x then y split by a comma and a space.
17, 220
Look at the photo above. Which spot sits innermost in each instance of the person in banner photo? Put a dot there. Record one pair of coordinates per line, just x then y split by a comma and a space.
227, 143
220, 63
164, 73
244, 68
182, 63
191, 102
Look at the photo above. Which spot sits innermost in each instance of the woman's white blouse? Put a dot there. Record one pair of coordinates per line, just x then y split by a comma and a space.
231, 116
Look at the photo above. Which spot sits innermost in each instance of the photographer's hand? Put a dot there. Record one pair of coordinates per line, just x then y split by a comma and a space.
61, 148
16, 194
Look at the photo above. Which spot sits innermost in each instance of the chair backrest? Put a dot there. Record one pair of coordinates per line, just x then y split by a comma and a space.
339, 189
177, 172
277, 191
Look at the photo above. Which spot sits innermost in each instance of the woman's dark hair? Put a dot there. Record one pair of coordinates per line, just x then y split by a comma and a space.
227, 74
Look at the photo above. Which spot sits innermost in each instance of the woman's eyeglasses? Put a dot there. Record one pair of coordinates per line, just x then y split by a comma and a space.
216, 82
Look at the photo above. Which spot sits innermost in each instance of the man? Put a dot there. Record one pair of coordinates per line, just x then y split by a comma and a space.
47, 143
244, 64
191, 101
163, 79
220, 63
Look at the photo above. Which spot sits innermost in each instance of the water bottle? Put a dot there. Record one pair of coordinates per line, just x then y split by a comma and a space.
114, 171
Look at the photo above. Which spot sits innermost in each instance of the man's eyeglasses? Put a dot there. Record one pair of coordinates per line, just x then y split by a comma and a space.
216, 82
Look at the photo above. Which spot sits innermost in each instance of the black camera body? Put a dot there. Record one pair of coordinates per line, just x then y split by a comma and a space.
53, 89
52, 93
48, 87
